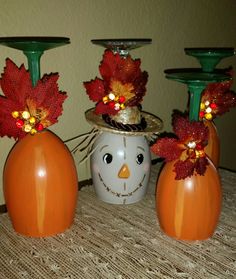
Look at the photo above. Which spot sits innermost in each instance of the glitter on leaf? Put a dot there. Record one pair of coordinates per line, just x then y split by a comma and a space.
219, 98
24, 102
121, 77
187, 150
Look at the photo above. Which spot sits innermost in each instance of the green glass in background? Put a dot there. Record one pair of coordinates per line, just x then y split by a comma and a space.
210, 57
33, 48
196, 82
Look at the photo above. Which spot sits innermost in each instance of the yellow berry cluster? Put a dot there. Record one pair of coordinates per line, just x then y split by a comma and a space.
27, 122
195, 150
206, 110
114, 102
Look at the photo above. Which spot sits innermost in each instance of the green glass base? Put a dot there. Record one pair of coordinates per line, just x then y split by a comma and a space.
210, 57
121, 46
34, 43
33, 48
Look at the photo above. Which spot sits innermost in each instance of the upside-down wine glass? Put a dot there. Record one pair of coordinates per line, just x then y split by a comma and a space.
118, 177
40, 179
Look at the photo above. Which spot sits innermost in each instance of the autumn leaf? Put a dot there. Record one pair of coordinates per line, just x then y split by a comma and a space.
120, 76
26, 108
187, 149
95, 89
217, 99
167, 148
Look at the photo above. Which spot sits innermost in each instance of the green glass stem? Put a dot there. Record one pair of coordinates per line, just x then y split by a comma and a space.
196, 82
33, 58
195, 92
208, 64
33, 48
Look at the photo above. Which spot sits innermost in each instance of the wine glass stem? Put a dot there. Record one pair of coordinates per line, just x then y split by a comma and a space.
209, 63
195, 99
33, 58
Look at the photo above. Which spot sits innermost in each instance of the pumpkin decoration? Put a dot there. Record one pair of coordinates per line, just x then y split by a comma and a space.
40, 185
40, 179
188, 209
188, 196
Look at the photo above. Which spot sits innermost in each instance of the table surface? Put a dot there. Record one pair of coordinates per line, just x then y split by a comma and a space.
122, 241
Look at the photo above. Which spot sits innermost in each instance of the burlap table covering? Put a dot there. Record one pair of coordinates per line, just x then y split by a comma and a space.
111, 241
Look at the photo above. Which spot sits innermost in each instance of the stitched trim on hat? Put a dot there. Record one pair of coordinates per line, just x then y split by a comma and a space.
125, 127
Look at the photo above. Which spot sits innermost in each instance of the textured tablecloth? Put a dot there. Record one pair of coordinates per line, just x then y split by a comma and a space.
122, 241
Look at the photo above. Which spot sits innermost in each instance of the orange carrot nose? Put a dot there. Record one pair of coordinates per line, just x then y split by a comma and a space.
124, 172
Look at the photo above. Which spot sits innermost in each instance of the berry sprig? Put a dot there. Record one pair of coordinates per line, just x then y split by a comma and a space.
27, 122
24, 108
114, 102
207, 110
122, 84
186, 148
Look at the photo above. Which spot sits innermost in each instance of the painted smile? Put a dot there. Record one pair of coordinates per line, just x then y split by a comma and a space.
120, 195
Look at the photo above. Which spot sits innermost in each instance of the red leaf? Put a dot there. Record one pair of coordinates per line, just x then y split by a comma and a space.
189, 131
201, 165
220, 94
167, 148
44, 101
108, 66
140, 89
15, 82
125, 70
48, 97
172, 149
95, 89
183, 169
114, 66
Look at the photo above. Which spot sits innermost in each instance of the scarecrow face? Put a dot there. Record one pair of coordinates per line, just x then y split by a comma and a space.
120, 168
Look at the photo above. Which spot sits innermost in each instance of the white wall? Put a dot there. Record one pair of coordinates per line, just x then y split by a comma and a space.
172, 24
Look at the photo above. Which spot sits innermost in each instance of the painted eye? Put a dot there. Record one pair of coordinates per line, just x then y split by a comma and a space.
107, 158
139, 159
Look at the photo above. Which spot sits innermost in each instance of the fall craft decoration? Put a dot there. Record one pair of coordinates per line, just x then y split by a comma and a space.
188, 197
118, 96
120, 156
40, 180
26, 108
